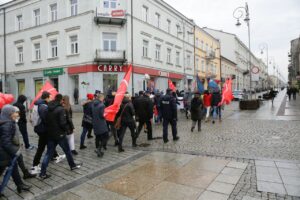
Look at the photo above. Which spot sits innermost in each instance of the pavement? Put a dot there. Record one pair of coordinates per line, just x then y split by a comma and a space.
250, 155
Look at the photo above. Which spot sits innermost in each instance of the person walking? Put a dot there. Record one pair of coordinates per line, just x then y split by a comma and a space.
41, 130
126, 115
272, 95
207, 103
8, 150
215, 100
109, 100
144, 111
56, 127
22, 123
87, 120
196, 111
294, 92
289, 93
99, 124
169, 115
70, 125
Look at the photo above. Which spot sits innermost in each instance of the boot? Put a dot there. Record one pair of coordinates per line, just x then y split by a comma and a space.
134, 142
23, 187
116, 143
27, 175
120, 148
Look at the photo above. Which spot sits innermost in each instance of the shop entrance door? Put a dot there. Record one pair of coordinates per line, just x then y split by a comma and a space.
110, 82
54, 82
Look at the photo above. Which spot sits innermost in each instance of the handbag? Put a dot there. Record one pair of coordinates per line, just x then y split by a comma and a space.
118, 121
87, 119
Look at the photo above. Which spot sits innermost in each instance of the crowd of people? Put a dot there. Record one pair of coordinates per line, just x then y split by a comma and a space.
52, 122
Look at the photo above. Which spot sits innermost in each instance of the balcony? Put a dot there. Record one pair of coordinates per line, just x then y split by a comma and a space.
210, 55
110, 56
115, 17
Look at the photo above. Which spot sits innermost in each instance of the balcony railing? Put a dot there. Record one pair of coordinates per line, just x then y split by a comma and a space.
110, 56
116, 17
210, 55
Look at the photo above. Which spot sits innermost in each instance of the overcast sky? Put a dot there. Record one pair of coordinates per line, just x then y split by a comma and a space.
275, 22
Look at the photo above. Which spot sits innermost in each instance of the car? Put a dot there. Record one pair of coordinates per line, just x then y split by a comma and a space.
238, 95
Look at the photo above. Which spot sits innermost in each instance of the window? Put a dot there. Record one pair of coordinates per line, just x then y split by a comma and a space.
74, 44
145, 14
53, 12
19, 22
157, 52
74, 7
178, 30
109, 41
157, 18
202, 66
53, 48
37, 51
145, 48
21, 87
169, 55
110, 4
188, 60
38, 84
19, 54
37, 17
177, 58
206, 47
169, 26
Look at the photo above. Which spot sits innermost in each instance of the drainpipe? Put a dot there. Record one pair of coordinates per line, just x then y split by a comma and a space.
132, 73
4, 49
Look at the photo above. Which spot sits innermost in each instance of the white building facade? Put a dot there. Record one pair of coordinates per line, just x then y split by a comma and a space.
86, 45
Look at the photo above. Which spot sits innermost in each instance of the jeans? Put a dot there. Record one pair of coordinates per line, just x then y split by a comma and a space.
149, 128
166, 123
42, 143
11, 171
63, 143
207, 111
217, 111
122, 131
23, 130
83, 134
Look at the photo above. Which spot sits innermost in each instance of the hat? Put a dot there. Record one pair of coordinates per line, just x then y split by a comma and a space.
7, 111
90, 96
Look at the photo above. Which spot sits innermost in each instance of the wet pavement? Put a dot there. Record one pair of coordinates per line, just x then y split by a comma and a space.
249, 155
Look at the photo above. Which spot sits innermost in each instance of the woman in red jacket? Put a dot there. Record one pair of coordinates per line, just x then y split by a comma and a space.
207, 103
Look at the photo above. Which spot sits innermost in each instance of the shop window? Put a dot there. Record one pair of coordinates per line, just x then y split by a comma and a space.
110, 82
38, 84
21, 87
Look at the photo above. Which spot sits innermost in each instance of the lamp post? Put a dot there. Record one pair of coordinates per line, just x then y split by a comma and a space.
238, 13
264, 46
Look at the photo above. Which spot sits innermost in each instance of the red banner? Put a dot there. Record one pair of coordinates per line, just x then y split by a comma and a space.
227, 93
48, 88
111, 111
171, 85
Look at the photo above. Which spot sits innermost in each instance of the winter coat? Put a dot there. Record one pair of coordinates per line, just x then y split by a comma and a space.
70, 125
144, 108
168, 107
216, 99
128, 113
196, 109
7, 134
20, 104
109, 100
99, 122
43, 110
87, 111
56, 121
207, 100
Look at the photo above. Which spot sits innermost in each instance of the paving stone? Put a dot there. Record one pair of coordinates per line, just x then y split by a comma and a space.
274, 178
208, 195
249, 198
224, 188
293, 190
238, 165
227, 179
287, 165
270, 187
265, 163
232, 171
266, 170
291, 180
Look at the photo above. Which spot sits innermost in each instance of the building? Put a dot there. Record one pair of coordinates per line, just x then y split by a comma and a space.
236, 51
294, 66
87, 45
207, 56
229, 70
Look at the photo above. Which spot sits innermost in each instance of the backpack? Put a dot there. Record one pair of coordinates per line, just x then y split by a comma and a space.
35, 118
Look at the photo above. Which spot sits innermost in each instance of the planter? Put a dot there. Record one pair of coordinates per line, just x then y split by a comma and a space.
249, 104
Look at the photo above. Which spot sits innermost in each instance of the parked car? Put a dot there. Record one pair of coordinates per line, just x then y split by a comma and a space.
238, 94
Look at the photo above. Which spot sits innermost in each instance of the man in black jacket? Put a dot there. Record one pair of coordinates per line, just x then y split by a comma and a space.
169, 115
144, 112
56, 125
22, 123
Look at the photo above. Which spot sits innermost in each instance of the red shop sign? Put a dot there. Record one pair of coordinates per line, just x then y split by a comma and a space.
110, 68
118, 13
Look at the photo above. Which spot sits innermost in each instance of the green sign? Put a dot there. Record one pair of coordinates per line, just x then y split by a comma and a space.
53, 72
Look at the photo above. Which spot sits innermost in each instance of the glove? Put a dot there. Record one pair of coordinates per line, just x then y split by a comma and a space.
18, 153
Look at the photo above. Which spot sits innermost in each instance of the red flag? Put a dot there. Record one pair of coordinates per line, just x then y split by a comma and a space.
47, 87
111, 111
171, 85
227, 93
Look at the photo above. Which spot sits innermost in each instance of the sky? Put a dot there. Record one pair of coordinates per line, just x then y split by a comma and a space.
274, 22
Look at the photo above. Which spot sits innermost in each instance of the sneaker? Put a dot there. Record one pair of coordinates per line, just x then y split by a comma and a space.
176, 138
43, 177
35, 170
77, 166
28, 175
59, 158
31, 147
74, 152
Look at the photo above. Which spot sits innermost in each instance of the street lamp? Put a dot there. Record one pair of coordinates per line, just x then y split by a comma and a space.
262, 47
239, 13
